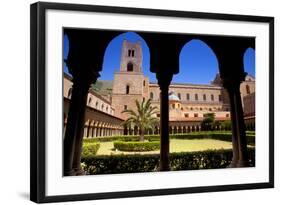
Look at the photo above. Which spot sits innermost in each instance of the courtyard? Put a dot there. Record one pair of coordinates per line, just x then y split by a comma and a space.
176, 145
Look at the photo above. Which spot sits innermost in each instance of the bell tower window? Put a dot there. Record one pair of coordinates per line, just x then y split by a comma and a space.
130, 66
127, 89
133, 53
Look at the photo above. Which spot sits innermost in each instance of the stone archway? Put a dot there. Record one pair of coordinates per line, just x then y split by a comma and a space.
86, 52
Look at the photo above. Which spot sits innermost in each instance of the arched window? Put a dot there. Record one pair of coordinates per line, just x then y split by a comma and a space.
102, 106
212, 97
133, 53
204, 97
187, 96
179, 95
151, 95
129, 52
90, 100
220, 98
130, 66
69, 93
196, 96
127, 89
97, 104
248, 89
144, 83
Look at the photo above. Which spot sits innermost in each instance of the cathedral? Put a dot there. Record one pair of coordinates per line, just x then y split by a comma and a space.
188, 103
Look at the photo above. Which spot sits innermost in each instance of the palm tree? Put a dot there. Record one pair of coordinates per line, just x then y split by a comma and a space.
142, 117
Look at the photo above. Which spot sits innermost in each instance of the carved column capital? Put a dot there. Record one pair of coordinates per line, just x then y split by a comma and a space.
233, 83
164, 80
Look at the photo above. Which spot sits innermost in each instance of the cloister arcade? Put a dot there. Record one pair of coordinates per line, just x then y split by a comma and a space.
97, 123
85, 59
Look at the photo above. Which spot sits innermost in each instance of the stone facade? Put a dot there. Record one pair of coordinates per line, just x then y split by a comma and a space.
195, 100
94, 99
129, 83
249, 104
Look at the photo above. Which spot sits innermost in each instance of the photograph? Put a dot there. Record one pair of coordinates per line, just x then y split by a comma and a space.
133, 102
119, 128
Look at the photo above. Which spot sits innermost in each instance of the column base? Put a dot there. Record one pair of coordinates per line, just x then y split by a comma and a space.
80, 172
233, 164
70, 173
164, 168
242, 163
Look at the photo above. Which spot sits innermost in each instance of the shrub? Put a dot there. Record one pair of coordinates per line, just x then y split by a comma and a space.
137, 146
218, 135
90, 149
124, 138
209, 159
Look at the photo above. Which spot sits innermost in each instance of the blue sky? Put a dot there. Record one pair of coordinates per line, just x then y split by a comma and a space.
195, 58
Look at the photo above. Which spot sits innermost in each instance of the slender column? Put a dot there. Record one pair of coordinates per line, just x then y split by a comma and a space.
164, 82
239, 141
235, 152
101, 131
90, 131
97, 132
93, 131
241, 135
79, 135
85, 131
73, 127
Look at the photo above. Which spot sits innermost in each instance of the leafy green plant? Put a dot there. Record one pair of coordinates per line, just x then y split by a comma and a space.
137, 146
142, 118
90, 149
218, 135
209, 159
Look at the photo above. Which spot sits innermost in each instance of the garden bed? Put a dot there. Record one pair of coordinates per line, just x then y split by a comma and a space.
209, 159
137, 146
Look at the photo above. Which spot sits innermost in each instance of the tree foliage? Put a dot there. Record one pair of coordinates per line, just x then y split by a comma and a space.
142, 118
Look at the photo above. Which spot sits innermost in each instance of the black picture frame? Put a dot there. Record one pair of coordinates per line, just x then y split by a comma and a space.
38, 100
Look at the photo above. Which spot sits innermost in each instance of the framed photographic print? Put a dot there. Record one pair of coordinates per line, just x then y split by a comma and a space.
129, 102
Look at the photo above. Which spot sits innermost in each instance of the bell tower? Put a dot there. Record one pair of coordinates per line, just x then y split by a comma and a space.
131, 57
129, 83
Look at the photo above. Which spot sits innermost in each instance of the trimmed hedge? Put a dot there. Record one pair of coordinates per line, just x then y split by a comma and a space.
210, 159
90, 149
218, 135
137, 146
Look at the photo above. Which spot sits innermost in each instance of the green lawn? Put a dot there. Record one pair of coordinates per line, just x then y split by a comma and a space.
176, 145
